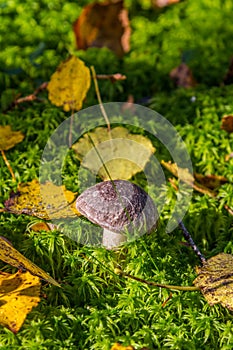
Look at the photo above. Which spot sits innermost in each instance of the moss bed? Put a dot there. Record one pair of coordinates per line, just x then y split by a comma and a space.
96, 308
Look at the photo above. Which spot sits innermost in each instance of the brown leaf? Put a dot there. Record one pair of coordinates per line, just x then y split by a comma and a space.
183, 76
227, 123
19, 293
11, 256
103, 25
69, 85
210, 181
215, 279
9, 138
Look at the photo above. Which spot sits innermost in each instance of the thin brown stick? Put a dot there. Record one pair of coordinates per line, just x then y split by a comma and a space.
228, 209
8, 164
113, 77
29, 98
154, 284
99, 98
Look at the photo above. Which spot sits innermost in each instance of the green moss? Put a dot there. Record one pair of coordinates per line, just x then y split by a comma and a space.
95, 307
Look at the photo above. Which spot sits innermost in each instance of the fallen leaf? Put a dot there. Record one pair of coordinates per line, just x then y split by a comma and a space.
183, 76
41, 226
103, 25
11, 256
185, 176
9, 138
227, 123
69, 85
122, 153
215, 279
19, 293
210, 181
56, 202
118, 346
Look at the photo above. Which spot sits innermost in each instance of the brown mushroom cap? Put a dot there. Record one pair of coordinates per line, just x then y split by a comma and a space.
118, 206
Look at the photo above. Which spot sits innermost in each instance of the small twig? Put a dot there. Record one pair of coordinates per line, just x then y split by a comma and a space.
168, 298
99, 98
29, 98
189, 239
228, 209
113, 77
32, 96
154, 284
8, 164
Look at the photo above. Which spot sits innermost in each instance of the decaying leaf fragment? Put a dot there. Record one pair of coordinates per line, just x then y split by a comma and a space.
227, 123
215, 280
122, 153
9, 138
13, 257
183, 76
103, 24
69, 85
54, 203
210, 181
185, 176
19, 293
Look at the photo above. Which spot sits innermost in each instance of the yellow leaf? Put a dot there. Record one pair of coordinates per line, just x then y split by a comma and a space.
215, 279
69, 85
57, 202
41, 226
11, 256
9, 138
19, 293
122, 153
118, 346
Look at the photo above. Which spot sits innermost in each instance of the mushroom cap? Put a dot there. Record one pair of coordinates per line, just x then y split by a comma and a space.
118, 206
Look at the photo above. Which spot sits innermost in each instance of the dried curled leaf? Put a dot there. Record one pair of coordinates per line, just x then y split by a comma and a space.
215, 279
19, 293
103, 25
9, 138
122, 153
56, 202
11, 256
69, 85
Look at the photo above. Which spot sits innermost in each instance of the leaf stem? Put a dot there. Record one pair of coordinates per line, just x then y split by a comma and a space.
8, 164
99, 98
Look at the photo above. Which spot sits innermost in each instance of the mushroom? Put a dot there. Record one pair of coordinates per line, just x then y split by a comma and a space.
121, 208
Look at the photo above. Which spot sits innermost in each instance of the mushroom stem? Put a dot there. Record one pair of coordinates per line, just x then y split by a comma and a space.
112, 239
